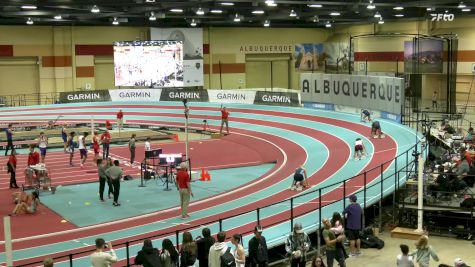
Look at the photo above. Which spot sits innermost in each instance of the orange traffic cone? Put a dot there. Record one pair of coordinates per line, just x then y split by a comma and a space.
207, 176
176, 138
203, 175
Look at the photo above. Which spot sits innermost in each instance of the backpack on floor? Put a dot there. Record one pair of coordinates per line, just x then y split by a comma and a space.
227, 259
372, 242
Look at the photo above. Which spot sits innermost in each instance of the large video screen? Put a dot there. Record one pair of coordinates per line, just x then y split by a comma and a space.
148, 63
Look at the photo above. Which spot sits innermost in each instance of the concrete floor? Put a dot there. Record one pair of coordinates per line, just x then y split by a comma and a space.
447, 248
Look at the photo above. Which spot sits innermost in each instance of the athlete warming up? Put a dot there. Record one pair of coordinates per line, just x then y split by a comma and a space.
82, 147
365, 115
360, 150
376, 130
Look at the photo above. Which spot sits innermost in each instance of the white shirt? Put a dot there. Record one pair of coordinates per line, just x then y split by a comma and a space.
359, 142
148, 147
81, 142
103, 259
404, 261
43, 142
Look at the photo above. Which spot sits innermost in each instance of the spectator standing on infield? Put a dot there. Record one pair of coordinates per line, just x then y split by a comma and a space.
101, 170
95, 145
330, 243
43, 145
9, 132
224, 120
120, 119
70, 147
217, 250
105, 140
184, 188
403, 260
132, 148
203, 244
100, 258
115, 174
64, 136
353, 214
82, 147
258, 249
297, 245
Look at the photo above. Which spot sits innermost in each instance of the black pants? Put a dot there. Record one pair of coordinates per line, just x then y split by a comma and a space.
102, 185
203, 263
260, 264
116, 186
9, 146
105, 151
132, 154
298, 263
335, 254
109, 185
13, 179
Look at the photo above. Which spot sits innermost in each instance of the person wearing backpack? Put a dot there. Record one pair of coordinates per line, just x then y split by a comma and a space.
148, 256
297, 245
217, 250
188, 250
258, 248
239, 254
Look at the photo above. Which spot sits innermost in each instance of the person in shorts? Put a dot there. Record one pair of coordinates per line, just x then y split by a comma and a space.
360, 150
376, 130
300, 179
82, 147
365, 115
353, 214
70, 145
43, 145
95, 145
64, 136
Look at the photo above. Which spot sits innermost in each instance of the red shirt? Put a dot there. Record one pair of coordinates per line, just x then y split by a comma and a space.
105, 138
120, 115
182, 178
33, 158
108, 124
12, 160
224, 114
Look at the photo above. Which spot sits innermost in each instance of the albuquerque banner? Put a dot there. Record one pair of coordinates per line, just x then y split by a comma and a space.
364, 92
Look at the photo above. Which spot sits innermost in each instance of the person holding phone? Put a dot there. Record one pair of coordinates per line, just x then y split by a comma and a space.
100, 258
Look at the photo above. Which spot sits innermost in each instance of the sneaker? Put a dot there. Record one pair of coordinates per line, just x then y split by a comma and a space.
352, 255
292, 188
359, 253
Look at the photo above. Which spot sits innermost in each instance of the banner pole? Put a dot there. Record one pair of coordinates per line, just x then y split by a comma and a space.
420, 194
8, 240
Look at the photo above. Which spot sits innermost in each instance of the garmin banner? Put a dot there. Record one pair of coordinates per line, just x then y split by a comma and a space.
180, 94
131, 95
84, 96
277, 98
368, 92
231, 96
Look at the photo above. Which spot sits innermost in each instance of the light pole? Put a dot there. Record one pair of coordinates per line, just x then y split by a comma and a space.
187, 110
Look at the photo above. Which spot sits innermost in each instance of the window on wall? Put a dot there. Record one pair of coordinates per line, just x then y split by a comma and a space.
104, 72
267, 71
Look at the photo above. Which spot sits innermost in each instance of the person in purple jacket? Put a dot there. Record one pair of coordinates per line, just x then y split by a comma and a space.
353, 214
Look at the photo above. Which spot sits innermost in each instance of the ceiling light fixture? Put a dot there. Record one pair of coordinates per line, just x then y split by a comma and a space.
266, 23
176, 10
152, 16
377, 14
293, 13
259, 12
398, 8
381, 21
466, 10
95, 9
115, 21
316, 19
200, 12
269, 2
227, 3
462, 5
216, 11
58, 17
193, 23
29, 21
328, 24
371, 5
314, 5
237, 18
335, 14
399, 15
29, 7
430, 9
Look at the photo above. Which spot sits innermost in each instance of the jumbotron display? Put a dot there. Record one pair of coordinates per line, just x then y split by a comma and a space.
148, 63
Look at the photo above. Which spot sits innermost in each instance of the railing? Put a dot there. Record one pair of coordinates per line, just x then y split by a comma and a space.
375, 181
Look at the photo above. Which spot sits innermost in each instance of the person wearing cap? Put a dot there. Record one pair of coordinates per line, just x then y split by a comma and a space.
297, 244
353, 214
333, 251
258, 249
184, 188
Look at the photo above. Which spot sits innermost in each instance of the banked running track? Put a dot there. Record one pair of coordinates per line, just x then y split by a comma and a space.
320, 140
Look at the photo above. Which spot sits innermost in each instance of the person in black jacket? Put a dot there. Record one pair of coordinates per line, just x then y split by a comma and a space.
258, 249
203, 245
148, 256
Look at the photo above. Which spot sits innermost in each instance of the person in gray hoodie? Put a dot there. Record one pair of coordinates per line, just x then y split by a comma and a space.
217, 250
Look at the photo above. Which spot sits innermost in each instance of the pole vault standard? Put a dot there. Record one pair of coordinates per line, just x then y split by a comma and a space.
187, 110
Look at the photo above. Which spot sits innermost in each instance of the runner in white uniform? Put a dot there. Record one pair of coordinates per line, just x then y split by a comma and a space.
82, 147
43, 145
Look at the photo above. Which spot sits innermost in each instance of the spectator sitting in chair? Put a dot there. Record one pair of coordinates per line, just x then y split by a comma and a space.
469, 136
23, 208
463, 168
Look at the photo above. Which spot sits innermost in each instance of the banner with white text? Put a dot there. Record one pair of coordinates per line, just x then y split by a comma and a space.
131, 95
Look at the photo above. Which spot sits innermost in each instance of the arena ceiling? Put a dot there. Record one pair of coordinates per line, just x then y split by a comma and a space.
223, 13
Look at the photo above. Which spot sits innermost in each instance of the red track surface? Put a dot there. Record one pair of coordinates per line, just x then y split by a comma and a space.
338, 155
